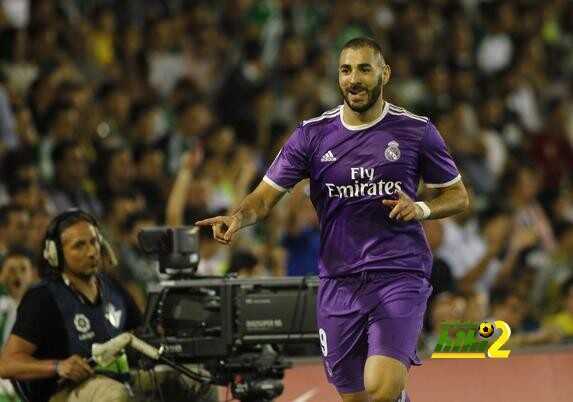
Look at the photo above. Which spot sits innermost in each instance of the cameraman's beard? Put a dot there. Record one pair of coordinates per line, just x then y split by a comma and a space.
373, 95
85, 276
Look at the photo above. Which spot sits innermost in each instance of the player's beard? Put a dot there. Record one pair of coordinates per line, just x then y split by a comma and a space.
373, 95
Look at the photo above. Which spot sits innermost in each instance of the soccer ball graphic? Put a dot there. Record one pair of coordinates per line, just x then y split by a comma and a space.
486, 329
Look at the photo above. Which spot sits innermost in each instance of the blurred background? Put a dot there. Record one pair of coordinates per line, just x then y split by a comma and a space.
164, 112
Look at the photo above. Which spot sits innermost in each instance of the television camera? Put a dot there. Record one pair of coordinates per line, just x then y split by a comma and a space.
233, 327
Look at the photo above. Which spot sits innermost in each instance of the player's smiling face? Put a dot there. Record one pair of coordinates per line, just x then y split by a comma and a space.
361, 75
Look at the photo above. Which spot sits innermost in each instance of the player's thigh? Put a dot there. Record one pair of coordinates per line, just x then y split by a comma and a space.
384, 377
395, 325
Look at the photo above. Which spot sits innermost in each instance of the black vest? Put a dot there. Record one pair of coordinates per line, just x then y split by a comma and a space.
88, 323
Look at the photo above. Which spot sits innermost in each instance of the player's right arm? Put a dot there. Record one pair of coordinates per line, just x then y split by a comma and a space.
254, 208
290, 166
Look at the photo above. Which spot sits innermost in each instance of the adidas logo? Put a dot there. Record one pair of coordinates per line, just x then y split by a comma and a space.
328, 157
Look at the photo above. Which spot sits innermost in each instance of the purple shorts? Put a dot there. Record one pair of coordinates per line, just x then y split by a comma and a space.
371, 313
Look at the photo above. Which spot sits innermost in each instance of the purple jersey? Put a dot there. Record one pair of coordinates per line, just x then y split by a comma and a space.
351, 169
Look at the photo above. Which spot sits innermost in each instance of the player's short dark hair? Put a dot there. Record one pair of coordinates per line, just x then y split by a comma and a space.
363, 41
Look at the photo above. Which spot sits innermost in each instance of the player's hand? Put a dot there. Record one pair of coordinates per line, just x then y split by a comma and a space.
224, 227
74, 368
404, 208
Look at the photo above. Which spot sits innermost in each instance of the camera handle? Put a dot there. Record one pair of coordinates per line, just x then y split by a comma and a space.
105, 353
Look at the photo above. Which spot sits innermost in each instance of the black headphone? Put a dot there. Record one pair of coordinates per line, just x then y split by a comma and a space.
53, 251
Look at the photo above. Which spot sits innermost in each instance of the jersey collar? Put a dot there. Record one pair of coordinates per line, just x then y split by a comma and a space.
366, 125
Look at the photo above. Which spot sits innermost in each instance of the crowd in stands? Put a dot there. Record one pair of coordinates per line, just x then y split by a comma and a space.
171, 112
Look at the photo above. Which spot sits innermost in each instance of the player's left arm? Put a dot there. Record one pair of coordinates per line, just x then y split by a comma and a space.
450, 200
438, 170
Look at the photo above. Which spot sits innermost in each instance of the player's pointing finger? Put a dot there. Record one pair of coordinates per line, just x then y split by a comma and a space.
210, 221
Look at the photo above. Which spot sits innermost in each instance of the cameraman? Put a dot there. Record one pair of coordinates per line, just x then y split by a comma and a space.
59, 319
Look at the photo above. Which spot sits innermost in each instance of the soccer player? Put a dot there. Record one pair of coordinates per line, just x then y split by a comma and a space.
364, 159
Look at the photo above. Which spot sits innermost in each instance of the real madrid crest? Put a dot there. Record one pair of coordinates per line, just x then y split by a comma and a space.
392, 152
82, 323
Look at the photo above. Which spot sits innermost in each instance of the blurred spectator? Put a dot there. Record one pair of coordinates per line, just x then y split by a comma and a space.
524, 184
552, 151
472, 255
14, 226
167, 62
25, 127
17, 165
150, 177
245, 265
7, 121
302, 237
103, 35
564, 318
61, 121
72, 186
115, 105
116, 172
442, 279
496, 49
39, 220
509, 307
118, 207
188, 198
240, 88
194, 120
143, 118
26, 193
17, 274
